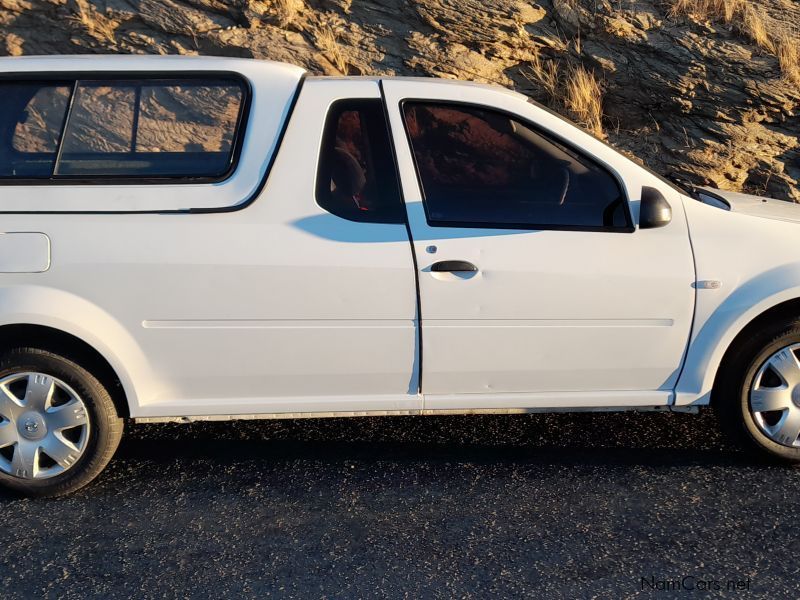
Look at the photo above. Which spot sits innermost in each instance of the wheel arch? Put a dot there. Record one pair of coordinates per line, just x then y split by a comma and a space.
727, 328
59, 317
776, 314
29, 335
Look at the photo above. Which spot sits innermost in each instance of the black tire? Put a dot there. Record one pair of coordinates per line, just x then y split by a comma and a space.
105, 425
731, 395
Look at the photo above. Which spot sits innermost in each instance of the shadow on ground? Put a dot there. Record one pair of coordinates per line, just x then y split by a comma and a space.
526, 505
652, 439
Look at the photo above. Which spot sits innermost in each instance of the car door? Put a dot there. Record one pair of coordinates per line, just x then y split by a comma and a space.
536, 287
301, 301
316, 308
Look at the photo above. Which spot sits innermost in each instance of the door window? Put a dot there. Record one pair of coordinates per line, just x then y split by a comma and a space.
356, 177
482, 168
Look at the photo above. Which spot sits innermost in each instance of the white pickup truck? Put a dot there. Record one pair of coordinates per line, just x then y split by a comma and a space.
210, 238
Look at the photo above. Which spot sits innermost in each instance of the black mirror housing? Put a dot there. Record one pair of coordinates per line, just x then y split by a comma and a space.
654, 210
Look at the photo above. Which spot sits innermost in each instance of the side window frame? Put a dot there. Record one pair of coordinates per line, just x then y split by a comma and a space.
10, 130
154, 77
548, 136
338, 107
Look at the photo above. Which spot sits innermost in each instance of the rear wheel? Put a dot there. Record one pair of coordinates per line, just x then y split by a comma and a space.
757, 395
58, 424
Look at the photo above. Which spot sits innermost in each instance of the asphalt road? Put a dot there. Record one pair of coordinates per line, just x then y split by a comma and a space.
540, 506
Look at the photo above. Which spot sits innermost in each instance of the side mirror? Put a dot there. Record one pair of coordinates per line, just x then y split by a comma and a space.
654, 210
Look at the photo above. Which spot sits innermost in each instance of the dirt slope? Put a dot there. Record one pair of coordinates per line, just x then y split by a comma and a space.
706, 89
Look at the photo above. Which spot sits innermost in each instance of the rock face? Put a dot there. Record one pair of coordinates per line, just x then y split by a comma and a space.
689, 95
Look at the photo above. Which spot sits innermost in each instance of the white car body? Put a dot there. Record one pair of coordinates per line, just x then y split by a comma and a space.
243, 299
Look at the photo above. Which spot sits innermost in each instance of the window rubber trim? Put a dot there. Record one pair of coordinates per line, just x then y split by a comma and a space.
410, 235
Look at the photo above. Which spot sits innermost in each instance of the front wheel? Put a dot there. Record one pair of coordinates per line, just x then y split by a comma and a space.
757, 395
58, 424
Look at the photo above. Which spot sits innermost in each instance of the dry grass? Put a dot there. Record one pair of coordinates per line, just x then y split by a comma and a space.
705, 10
326, 41
286, 10
751, 21
577, 90
97, 25
584, 99
753, 26
788, 51
544, 74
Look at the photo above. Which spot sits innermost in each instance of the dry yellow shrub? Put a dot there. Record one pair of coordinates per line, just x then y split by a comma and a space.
97, 25
326, 41
584, 99
788, 53
286, 10
753, 26
751, 21
545, 74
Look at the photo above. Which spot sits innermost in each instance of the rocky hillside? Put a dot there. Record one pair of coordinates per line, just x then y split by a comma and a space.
705, 89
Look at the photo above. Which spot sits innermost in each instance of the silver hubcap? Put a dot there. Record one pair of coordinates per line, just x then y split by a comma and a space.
43, 426
775, 397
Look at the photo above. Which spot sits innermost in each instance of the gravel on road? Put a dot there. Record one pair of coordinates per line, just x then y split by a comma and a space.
547, 506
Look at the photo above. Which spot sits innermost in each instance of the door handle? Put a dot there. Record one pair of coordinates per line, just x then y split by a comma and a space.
453, 266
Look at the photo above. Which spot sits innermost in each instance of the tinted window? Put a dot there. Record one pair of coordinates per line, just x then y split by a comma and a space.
161, 129
101, 122
31, 117
483, 168
357, 179
131, 128
206, 118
